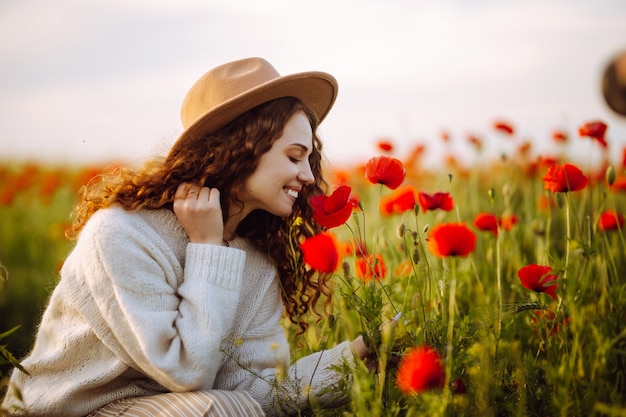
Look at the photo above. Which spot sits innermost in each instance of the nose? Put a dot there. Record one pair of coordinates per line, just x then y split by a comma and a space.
305, 175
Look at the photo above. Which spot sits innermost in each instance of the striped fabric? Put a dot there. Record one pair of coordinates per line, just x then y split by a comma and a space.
214, 403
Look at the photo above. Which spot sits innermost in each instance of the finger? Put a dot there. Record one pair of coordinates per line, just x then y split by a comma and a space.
192, 193
181, 191
203, 194
214, 195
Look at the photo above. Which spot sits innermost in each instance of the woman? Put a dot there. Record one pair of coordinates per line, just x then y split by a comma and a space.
171, 299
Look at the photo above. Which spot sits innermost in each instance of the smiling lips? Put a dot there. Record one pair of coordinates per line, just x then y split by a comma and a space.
291, 192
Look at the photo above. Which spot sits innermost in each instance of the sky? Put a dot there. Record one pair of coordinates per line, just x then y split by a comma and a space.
101, 80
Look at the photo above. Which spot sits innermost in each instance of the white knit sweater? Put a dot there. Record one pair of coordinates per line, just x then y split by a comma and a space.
139, 311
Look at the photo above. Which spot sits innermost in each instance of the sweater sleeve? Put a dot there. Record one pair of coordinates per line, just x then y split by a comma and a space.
314, 381
169, 330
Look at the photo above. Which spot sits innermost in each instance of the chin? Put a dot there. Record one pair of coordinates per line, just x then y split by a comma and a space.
282, 212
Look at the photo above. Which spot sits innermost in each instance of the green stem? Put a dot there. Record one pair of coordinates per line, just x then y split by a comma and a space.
568, 235
450, 336
499, 279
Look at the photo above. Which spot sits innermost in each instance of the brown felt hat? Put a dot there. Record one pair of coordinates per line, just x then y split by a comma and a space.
231, 89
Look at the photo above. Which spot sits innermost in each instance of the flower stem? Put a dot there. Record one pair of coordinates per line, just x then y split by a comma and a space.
450, 335
499, 279
568, 235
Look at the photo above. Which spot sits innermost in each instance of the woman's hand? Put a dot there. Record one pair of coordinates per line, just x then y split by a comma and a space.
368, 354
199, 212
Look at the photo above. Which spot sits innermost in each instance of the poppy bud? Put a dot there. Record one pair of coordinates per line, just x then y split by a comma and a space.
400, 230
355, 216
345, 266
416, 256
610, 175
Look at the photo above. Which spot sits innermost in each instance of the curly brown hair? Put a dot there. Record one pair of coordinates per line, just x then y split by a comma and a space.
224, 160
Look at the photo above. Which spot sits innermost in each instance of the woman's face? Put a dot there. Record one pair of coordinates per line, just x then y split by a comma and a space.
282, 171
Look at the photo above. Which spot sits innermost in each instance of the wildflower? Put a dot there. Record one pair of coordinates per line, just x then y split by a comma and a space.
538, 278
340, 177
385, 145
420, 370
404, 268
398, 202
385, 170
416, 154
559, 136
451, 239
546, 319
595, 130
524, 148
610, 220
7, 195
564, 178
356, 248
321, 252
435, 201
507, 221
371, 266
475, 141
334, 210
504, 127
459, 387
486, 222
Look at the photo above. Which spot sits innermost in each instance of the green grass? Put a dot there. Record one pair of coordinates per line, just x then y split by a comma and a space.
472, 310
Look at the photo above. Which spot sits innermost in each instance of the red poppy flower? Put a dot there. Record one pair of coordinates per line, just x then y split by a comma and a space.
538, 278
475, 141
419, 370
564, 178
559, 136
610, 220
416, 154
385, 170
451, 239
385, 145
371, 266
595, 130
507, 221
334, 210
321, 252
504, 127
398, 202
435, 201
524, 148
356, 248
486, 222
546, 319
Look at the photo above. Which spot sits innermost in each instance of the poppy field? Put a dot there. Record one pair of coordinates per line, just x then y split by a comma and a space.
482, 288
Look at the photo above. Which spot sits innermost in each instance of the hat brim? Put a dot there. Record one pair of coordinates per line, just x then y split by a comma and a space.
317, 90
